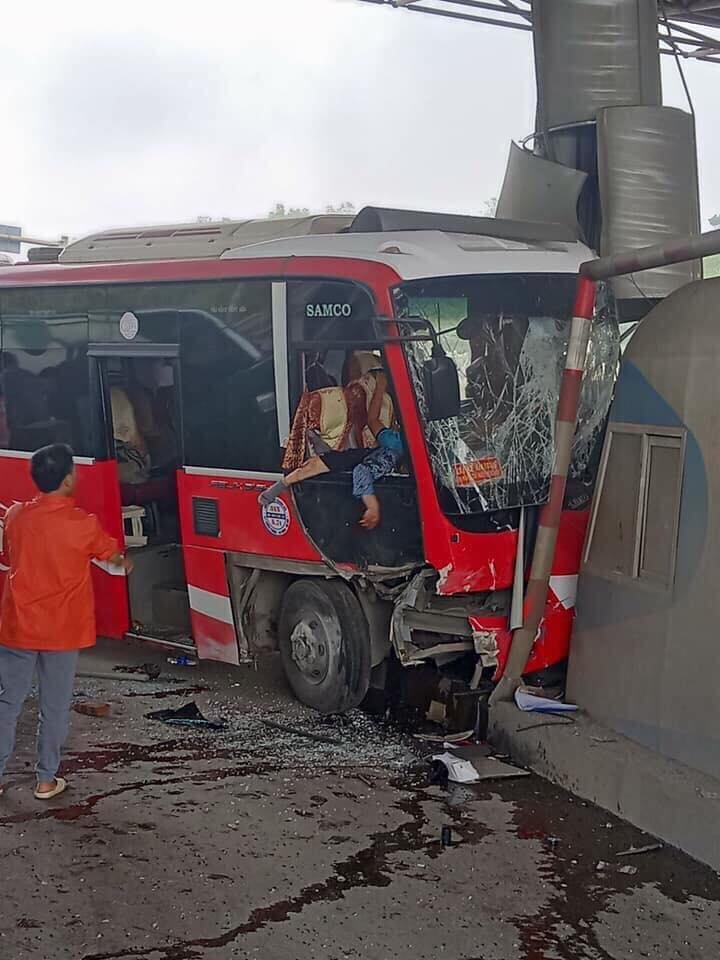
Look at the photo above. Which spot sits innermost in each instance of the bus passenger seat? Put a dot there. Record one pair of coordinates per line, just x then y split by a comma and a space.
137, 487
130, 447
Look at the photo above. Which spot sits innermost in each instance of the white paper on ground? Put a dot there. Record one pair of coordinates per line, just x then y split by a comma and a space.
459, 771
529, 702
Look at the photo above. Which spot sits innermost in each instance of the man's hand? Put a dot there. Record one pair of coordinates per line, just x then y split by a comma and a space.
118, 560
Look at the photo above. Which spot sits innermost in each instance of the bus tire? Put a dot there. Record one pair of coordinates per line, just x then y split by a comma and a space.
325, 645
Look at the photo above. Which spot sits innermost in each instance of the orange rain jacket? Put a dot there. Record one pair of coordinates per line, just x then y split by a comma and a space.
48, 602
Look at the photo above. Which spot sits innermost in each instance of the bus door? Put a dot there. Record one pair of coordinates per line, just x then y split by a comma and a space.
333, 358
141, 427
97, 492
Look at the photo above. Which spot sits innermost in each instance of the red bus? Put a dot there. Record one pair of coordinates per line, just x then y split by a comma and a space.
183, 365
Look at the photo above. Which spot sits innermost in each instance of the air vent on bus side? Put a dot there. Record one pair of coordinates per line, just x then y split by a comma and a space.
206, 517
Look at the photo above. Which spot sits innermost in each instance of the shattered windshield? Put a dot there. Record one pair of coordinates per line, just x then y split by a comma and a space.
508, 337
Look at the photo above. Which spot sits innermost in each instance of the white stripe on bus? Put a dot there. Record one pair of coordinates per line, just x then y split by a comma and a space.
213, 605
237, 474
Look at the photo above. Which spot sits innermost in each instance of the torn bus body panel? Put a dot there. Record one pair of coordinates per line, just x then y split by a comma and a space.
425, 625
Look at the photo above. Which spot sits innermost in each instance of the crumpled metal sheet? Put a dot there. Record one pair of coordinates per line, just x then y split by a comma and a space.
647, 169
536, 189
591, 54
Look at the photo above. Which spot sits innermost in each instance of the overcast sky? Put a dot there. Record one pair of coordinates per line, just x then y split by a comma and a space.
160, 110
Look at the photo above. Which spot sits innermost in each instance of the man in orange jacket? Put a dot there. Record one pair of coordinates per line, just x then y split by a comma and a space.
47, 612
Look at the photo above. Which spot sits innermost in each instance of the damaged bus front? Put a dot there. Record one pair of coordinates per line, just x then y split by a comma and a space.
491, 465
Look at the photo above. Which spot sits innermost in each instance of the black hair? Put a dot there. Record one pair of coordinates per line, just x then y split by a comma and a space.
50, 465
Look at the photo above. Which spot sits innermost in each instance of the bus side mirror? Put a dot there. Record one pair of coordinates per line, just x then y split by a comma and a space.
441, 385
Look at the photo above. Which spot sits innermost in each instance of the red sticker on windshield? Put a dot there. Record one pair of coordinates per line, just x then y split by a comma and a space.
478, 471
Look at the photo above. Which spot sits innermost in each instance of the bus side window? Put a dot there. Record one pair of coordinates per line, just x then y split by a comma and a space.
44, 379
326, 318
228, 375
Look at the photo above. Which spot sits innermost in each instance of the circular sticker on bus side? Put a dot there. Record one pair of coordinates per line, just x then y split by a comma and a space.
129, 326
276, 518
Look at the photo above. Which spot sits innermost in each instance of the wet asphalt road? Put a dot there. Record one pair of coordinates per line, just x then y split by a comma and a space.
176, 844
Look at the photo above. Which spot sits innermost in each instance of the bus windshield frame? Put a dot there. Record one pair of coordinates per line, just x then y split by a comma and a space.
507, 334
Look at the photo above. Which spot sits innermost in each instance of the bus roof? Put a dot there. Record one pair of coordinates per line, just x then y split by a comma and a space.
415, 245
430, 253
193, 241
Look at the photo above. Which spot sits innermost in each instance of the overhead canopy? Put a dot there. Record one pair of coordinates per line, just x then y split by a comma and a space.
690, 28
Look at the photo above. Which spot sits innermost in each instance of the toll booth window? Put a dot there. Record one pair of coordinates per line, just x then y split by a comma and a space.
228, 379
636, 512
44, 378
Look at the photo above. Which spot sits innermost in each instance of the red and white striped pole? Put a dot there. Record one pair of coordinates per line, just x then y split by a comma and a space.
544, 552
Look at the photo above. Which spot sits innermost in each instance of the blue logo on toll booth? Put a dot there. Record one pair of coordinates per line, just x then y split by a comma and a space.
276, 517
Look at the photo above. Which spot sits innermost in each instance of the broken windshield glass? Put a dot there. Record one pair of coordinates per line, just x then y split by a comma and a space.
508, 336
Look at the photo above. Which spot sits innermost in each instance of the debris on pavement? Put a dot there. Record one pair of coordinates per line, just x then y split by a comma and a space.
151, 670
472, 763
628, 869
298, 732
634, 851
91, 708
114, 675
188, 715
182, 661
458, 771
530, 702
490, 768
445, 737
365, 780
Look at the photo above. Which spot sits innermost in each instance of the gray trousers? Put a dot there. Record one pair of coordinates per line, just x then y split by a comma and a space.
56, 673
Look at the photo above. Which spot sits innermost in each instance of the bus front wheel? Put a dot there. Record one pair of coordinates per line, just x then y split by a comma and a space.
325, 645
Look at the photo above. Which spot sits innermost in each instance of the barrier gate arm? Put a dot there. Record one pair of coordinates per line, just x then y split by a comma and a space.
603, 268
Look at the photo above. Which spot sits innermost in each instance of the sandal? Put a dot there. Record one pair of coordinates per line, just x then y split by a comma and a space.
60, 786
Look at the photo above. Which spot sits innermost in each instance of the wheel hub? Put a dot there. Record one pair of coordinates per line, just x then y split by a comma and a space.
310, 649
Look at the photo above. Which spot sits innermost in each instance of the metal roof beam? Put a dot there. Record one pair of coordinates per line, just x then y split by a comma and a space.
517, 15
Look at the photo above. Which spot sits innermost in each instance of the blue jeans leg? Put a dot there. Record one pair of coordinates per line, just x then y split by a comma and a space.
17, 668
56, 675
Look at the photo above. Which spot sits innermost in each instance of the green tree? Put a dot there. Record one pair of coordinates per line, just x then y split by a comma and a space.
489, 207
280, 211
344, 207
